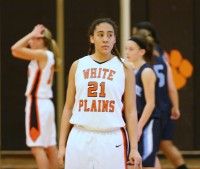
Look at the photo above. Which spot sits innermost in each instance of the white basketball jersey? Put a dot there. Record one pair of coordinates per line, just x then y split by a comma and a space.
40, 80
99, 90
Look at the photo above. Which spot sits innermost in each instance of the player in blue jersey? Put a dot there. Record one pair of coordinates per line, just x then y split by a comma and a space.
168, 98
139, 52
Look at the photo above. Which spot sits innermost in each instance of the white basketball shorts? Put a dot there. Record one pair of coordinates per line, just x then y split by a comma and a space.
40, 122
95, 150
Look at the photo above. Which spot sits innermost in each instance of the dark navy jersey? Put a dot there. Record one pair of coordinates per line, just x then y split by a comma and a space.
163, 102
140, 95
159, 50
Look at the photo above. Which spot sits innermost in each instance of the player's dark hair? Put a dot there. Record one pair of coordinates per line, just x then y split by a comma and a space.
91, 33
148, 26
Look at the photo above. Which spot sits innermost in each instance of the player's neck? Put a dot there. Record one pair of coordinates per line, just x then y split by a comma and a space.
138, 64
101, 58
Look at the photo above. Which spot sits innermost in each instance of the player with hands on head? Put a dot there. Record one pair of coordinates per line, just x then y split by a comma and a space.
39, 47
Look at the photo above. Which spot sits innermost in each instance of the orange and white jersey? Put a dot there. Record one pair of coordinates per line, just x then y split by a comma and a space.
40, 80
99, 89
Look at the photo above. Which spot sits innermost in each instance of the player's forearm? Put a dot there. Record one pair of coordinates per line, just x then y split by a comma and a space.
173, 94
131, 122
65, 128
21, 43
146, 114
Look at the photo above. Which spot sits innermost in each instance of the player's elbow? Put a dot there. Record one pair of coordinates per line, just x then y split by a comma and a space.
151, 104
14, 51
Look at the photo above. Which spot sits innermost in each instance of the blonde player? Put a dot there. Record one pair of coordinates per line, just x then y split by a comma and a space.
39, 47
93, 107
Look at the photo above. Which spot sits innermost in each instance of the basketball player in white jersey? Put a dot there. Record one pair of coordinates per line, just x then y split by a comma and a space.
93, 107
39, 47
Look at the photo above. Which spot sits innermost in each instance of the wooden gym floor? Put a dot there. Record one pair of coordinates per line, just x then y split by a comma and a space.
26, 161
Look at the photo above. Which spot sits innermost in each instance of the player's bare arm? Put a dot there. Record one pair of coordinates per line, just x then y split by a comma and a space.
67, 113
148, 80
21, 48
131, 115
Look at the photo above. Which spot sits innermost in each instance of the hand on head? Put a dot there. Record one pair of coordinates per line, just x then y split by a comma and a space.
38, 31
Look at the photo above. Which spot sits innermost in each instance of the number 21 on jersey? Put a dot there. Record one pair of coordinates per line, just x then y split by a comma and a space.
93, 87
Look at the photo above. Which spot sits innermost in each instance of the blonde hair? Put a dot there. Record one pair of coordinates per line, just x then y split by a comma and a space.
147, 35
51, 45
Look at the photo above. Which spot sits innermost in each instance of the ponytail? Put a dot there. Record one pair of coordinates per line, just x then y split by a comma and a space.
51, 45
54, 49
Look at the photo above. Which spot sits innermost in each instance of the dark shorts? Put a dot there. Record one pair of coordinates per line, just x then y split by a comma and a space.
149, 143
167, 128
